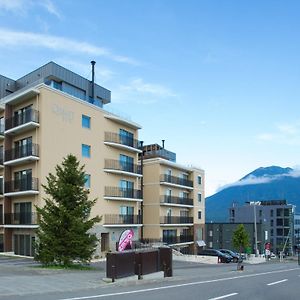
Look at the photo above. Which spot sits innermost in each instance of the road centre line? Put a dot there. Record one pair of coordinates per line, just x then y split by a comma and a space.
225, 296
276, 282
178, 285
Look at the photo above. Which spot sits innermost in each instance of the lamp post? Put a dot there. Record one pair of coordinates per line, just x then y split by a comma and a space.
254, 203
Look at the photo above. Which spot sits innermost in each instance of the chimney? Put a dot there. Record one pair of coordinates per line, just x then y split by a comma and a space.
163, 144
93, 79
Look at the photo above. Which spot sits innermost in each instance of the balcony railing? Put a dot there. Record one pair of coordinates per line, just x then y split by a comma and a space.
30, 115
178, 239
176, 220
23, 151
117, 192
122, 219
27, 184
162, 153
20, 219
176, 200
122, 166
176, 180
112, 137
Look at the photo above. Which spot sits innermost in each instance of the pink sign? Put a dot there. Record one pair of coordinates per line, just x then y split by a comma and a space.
125, 239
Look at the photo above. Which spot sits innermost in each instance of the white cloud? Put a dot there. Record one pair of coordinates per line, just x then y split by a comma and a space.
251, 179
51, 8
139, 91
138, 85
29, 39
288, 134
20, 7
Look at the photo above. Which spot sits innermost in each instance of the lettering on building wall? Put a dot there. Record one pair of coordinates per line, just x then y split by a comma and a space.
65, 115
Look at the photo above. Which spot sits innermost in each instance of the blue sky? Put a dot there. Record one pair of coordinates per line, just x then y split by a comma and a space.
218, 80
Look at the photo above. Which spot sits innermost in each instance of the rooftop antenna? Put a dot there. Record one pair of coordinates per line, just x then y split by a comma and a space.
163, 144
93, 79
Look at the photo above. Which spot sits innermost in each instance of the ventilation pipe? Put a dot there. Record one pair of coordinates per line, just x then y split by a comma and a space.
93, 79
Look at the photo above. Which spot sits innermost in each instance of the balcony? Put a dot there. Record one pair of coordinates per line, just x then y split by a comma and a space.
176, 201
178, 220
119, 167
116, 193
22, 122
162, 153
22, 154
122, 220
122, 142
27, 186
176, 181
182, 239
20, 219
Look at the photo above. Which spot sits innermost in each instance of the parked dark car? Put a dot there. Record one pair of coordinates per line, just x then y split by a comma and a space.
234, 255
224, 258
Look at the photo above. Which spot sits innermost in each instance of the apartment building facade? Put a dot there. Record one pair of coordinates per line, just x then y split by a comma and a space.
173, 206
276, 218
46, 115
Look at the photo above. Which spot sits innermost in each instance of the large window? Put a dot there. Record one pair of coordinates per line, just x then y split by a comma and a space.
199, 180
23, 148
85, 150
86, 121
23, 180
126, 163
126, 138
23, 213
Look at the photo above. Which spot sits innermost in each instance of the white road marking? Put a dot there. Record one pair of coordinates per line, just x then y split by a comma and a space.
225, 296
177, 285
276, 282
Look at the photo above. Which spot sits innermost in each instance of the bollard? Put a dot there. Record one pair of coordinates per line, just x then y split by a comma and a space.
113, 273
165, 269
139, 271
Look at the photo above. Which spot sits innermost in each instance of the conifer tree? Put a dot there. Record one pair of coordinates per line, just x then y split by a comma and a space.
63, 235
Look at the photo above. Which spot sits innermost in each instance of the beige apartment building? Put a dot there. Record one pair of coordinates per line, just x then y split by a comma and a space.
46, 115
174, 200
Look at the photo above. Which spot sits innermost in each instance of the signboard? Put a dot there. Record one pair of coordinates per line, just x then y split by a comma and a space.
125, 241
267, 246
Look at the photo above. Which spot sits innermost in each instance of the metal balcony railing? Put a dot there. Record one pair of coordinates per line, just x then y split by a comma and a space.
111, 191
30, 115
176, 220
20, 219
162, 153
27, 184
176, 200
23, 151
122, 219
122, 166
176, 180
121, 139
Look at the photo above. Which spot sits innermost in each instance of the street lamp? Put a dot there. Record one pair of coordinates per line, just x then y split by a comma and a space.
254, 203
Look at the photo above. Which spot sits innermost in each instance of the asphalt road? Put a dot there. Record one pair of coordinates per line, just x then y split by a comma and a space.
190, 281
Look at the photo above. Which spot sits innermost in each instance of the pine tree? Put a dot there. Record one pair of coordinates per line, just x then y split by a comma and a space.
240, 238
63, 234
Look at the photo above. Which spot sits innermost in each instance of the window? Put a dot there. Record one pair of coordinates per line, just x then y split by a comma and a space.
210, 233
126, 214
86, 121
126, 138
23, 180
85, 150
199, 180
126, 189
272, 223
22, 213
23, 148
199, 197
126, 163
199, 214
271, 213
87, 183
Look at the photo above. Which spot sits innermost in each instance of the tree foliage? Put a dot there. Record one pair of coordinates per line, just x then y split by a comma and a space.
64, 224
240, 238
